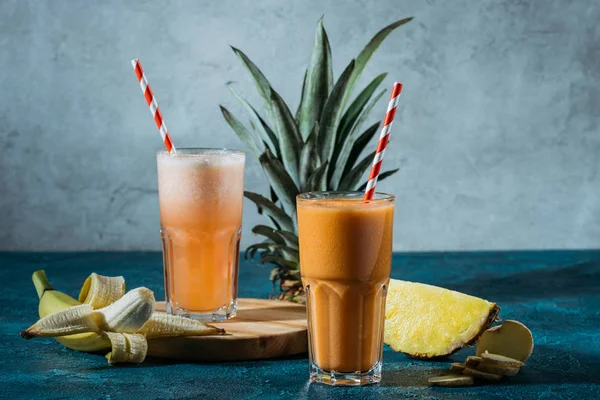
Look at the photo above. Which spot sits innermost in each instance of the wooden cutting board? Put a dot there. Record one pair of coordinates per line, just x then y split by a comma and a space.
262, 329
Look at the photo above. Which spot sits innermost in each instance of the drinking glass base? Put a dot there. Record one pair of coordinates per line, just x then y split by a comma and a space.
218, 315
335, 378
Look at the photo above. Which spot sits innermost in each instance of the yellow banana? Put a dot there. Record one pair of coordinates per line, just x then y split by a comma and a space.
126, 315
51, 301
99, 295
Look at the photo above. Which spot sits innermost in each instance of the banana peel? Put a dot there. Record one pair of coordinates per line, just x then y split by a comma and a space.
51, 301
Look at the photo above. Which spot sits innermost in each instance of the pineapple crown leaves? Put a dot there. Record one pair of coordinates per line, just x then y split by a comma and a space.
318, 148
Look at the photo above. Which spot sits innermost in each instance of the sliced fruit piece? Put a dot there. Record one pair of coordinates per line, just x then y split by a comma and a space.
481, 374
511, 339
473, 361
426, 321
496, 359
499, 370
457, 367
451, 380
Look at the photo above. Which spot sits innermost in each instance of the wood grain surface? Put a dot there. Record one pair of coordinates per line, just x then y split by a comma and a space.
262, 329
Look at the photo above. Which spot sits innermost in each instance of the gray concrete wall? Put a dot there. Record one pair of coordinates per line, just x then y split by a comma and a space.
497, 135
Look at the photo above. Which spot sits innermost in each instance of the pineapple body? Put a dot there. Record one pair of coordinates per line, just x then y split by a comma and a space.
426, 321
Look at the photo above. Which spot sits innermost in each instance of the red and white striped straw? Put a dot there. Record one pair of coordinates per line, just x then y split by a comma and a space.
383, 141
151, 100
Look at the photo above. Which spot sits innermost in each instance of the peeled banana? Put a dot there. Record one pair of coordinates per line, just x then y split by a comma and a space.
126, 315
109, 318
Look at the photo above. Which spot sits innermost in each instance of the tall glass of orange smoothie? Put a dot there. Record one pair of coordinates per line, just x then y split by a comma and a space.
345, 260
200, 194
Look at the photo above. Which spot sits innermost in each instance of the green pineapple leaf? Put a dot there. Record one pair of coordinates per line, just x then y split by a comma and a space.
318, 82
297, 115
269, 233
281, 182
290, 238
266, 133
331, 115
288, 135
264, 254
241, 131
366, 53
309, 156
273, 195
262, 84
351, 123
280, 261
367, 111
381, 177
357, 108
358, 147
350, 181
269, 247
289, 253
318, 180
269, 208
252, 249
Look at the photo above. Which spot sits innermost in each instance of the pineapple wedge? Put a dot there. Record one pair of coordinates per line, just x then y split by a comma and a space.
426, 321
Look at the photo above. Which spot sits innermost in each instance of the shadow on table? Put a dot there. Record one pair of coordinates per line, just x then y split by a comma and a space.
553, 365
579, 279
549, 365
153, 362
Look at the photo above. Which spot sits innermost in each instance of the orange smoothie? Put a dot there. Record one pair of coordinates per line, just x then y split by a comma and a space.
200, 195
345, 259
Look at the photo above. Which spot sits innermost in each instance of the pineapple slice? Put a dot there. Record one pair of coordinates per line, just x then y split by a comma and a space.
426, 321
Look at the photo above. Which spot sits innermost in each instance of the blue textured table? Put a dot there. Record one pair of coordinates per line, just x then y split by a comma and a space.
555, 293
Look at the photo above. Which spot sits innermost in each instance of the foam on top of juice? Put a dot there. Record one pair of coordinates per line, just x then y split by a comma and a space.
211, 176
196, 157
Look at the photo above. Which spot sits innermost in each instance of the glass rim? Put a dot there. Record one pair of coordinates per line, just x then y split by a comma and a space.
202, 151
378, 197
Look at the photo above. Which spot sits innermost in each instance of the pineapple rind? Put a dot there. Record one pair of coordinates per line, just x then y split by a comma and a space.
427, 321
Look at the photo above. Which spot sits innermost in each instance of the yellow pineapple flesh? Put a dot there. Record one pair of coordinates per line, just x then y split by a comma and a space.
426, 321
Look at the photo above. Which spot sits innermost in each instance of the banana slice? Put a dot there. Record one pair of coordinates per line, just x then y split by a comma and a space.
126, 315
165, 325
100, 291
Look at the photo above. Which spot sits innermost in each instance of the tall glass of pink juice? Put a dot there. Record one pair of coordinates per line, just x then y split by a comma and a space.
200, 194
